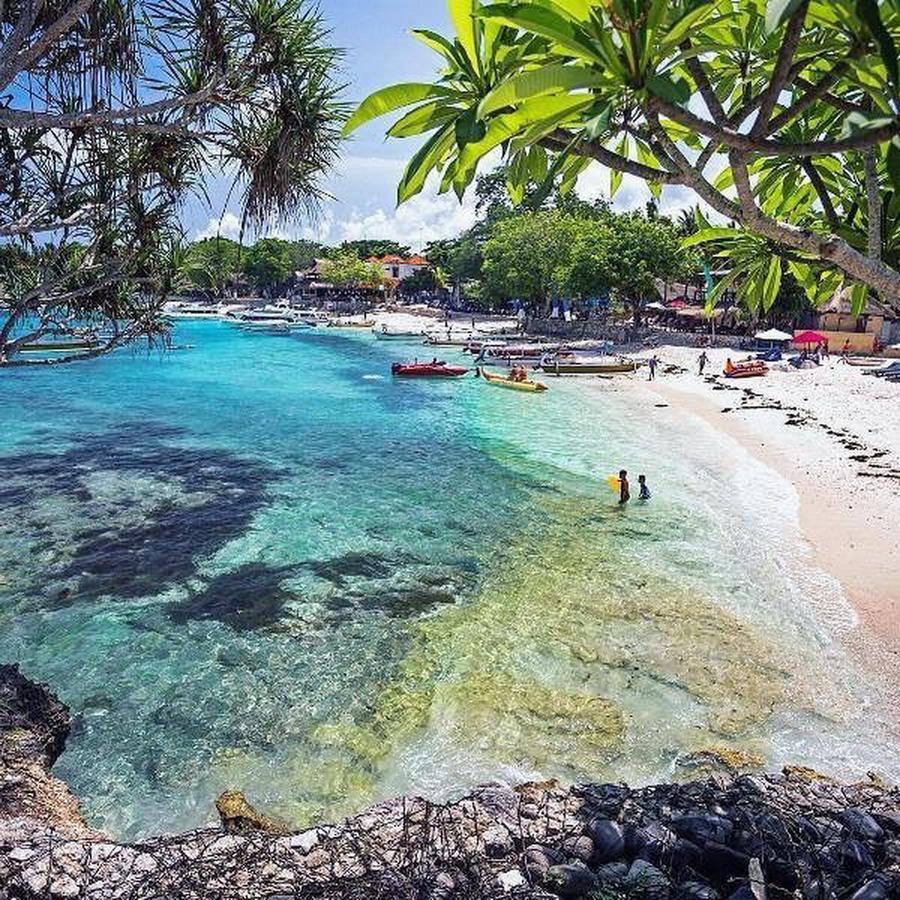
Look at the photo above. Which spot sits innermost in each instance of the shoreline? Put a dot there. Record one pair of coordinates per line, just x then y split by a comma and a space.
846, 479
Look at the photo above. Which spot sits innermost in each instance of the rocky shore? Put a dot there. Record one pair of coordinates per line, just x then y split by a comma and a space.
738, 836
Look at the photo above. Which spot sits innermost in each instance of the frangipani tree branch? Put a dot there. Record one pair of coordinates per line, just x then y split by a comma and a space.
746, 143
782, 71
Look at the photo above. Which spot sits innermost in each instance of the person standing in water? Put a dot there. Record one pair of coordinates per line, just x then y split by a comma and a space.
704, 359
645, 491
624, 488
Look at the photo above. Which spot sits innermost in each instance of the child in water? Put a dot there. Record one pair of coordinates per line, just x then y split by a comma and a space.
624, 488
645, 491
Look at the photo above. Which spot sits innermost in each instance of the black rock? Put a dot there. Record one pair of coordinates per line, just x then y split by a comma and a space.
694, 890
773, 831
647, 882
653, 843
720, 862
685, 856
781, 872
609, 841
861, 825
744, 892
612, 874
34, 723
580, 848
808, 830
702, 827
871, 890
571, 880
538, 858
855, 855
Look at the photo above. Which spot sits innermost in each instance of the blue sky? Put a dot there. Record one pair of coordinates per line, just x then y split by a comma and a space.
381, 51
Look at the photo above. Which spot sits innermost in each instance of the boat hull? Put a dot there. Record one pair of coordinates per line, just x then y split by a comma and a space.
589, 369
427, 371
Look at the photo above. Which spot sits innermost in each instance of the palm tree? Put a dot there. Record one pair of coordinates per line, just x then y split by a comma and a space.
118, 109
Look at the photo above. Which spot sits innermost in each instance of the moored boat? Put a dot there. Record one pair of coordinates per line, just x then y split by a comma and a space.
534, 387
383, 333
571, 364
427, 370
745, 370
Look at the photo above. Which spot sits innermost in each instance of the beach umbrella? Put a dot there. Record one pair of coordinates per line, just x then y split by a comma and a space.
809, 337
773, 334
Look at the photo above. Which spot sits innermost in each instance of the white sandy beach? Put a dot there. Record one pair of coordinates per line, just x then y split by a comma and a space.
834, 434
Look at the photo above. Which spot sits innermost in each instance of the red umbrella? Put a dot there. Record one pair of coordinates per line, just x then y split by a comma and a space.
809, 337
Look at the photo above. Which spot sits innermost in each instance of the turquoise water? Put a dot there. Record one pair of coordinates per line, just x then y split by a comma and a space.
260, 562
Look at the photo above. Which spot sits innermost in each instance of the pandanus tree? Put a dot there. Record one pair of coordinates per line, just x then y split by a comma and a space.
113, 113
781, 116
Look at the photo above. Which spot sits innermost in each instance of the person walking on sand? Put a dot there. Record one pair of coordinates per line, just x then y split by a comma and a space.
704, 359
645, 491
653, 363
624, 488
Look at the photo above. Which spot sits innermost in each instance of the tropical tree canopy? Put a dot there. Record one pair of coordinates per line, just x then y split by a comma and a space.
211, 264
349, 271
114, 111
780, 115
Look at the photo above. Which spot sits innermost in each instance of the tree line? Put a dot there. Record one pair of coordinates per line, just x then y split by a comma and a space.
218, 265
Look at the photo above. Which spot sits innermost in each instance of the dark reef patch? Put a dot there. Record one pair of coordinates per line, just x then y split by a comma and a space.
246, 599
211, 498
338, 569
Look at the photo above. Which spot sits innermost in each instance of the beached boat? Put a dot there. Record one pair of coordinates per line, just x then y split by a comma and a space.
862, 363
574, 365
745, 370
193, 310
507, 354
427, 370
534, 387
384, 333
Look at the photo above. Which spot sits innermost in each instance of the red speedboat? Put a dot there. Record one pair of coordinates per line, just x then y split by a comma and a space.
427, 370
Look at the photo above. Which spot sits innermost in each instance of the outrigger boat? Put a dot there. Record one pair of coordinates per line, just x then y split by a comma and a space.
508, 354
534, 387
427, 370
571, 364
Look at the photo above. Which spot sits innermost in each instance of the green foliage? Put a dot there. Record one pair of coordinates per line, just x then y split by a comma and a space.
366, 249
555, 84
527, 256
627, 255
269, 263
211, 264
422, 280
347, 270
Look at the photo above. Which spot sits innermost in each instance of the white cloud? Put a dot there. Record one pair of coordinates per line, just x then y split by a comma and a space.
228, 226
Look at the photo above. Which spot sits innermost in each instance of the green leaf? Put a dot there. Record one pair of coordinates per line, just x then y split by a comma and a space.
469, 128
391, 98
859, 293
858, 122
437, 42
424, 118
420, 166
893, 162
615, 181
462, 14
771, 284
709, 234
779, 11
675, 90
868, 11
595, 126
545, 22
553, 79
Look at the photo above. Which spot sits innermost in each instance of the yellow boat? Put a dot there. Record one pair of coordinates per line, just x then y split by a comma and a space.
533, 387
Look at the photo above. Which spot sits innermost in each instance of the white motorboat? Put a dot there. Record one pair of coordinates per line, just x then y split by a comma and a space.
192, 310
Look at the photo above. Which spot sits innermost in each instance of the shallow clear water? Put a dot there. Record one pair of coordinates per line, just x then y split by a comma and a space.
262, 563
